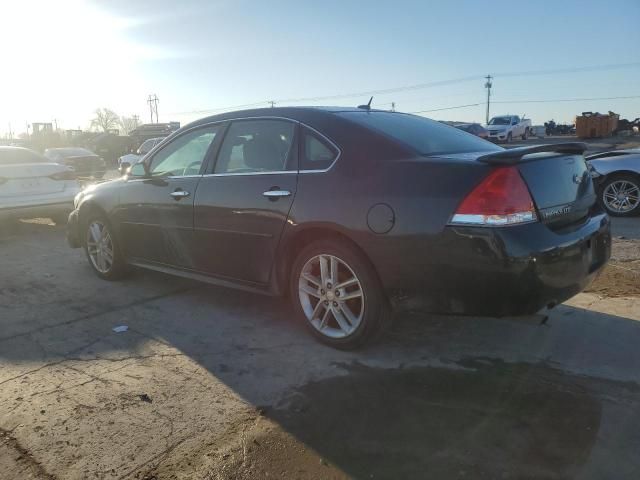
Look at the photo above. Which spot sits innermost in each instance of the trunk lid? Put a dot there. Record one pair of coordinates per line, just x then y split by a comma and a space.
557, 178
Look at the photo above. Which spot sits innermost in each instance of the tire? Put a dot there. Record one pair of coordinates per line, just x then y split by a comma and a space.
525, 135
617, 206
509, 137
364, 315
117, 267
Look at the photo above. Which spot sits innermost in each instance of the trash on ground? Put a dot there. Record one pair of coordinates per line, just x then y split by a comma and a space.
120, 328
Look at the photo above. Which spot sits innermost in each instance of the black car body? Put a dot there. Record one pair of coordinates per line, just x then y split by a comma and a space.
84, 162
390, 192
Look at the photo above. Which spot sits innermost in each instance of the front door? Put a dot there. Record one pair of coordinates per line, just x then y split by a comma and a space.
156, 210
241, 208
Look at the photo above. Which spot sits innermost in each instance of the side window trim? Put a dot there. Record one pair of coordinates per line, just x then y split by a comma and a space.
207, 155
324, 139
292, 156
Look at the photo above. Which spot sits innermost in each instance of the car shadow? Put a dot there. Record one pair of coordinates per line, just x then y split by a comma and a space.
438, 397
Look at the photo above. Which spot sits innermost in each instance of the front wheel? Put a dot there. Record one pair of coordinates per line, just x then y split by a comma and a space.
337, 294
620, 195
509, 137
102, 249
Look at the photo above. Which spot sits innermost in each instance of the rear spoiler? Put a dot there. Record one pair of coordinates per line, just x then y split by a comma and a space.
514, 155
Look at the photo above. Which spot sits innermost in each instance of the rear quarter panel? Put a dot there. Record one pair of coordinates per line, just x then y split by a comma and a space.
422, 193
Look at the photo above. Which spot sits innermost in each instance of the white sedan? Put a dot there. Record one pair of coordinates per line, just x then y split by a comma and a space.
33, 186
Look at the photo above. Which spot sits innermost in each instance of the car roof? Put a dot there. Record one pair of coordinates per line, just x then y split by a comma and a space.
294, 113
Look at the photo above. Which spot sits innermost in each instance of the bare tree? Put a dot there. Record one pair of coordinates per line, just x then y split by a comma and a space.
127, 124
105, 119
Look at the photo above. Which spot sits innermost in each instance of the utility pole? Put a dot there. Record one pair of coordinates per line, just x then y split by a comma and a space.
272, 103
488, 86
55, 122
393, 106
153, 106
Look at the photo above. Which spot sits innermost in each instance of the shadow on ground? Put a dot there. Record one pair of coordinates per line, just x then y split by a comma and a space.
438, 397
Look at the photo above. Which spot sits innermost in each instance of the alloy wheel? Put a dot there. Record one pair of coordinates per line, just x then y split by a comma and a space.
100, 246
331, 296
621, 196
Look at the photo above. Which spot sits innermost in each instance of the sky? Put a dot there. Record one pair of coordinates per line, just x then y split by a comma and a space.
63, 59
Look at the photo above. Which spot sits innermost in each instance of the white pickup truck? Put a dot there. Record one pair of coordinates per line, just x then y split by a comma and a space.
505, 128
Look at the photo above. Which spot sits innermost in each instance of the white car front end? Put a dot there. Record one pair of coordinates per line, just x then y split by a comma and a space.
498, 132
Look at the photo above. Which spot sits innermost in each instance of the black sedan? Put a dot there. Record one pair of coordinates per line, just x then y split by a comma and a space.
83, 161
352, 213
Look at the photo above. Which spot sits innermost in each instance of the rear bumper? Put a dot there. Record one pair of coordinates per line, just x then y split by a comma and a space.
504, 271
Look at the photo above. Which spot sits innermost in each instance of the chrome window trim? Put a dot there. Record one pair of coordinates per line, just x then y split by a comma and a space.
279, 172
275, 117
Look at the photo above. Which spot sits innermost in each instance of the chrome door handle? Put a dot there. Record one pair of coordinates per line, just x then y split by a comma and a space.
277, 193
178, 194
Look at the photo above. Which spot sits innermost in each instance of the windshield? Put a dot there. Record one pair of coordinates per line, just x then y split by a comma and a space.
146, 146
500, 121
425, 136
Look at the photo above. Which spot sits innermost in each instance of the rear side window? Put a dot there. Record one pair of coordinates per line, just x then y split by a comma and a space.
19, 156
426, 137
317, 153
254, 146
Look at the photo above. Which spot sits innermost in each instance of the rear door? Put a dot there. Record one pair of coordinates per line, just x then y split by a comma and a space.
156, 213
242, 205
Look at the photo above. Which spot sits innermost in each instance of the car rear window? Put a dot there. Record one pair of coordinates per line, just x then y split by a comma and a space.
427, 137
19, 156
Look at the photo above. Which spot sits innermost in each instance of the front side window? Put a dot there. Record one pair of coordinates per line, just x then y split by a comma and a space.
184, 155
317, 153
19, 156
253, 146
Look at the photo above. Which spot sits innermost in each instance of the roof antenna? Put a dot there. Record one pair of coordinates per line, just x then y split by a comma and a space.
367, 106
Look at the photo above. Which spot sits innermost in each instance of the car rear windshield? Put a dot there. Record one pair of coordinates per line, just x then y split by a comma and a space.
426, 137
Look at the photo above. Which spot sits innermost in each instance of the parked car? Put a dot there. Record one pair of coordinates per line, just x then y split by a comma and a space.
352, 212
617, 178
474, 128
84, 162
129, 159
505, 128
33, 186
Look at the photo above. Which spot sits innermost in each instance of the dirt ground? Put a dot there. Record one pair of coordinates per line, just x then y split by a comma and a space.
621, 277
209, 383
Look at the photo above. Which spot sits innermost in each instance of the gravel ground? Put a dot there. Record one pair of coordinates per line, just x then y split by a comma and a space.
217, 384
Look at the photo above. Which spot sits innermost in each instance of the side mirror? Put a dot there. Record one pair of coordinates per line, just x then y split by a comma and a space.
138, 170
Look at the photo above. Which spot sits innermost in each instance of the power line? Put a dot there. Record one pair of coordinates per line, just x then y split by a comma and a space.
418, 86
449, 108
568, 99
153, 106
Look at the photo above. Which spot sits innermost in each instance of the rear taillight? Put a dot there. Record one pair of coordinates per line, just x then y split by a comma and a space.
65, 175
500, 199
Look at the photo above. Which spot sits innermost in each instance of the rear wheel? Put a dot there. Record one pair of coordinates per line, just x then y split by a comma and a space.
337, 294
525, 135
102, 249
620, 195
